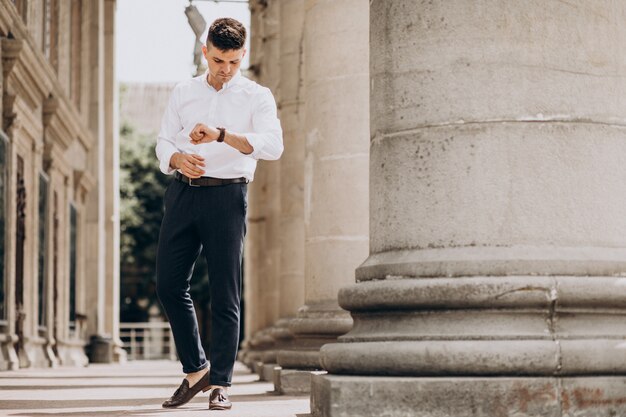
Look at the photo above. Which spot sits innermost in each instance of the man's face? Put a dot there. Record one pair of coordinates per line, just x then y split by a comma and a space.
223, 64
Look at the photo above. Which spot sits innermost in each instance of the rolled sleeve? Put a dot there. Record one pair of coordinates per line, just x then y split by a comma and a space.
164, 161
267, 135
166, 140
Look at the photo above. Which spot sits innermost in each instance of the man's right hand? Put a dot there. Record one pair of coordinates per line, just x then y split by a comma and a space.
189, 164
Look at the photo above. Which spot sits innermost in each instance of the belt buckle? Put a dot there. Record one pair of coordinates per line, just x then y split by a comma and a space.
191, 184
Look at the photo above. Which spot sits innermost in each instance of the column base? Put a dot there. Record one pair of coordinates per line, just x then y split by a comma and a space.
337, 395
36, 349
293, 381
119, 353
251, 358
50, 355
259, 351
267, 372
268, 356
257, 368
72, 353
8, 357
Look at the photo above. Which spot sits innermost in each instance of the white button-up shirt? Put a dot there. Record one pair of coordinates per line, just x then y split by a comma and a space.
241, 106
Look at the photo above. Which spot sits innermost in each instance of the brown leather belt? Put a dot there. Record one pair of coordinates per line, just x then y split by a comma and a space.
208, 181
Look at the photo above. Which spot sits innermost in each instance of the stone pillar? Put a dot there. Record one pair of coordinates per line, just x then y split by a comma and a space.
498, 235
282, 62
95, 215
253, 255
291, 103
269, 76
112, 186
335, 177
251, 292
38, 343
262, 264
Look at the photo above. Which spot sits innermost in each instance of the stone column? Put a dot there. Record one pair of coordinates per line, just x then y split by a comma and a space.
263, 247
251, 314
256, 220
498, 235
95, 216
35, 345
269, 76
283, 54
335, 177
291, 103
112, 186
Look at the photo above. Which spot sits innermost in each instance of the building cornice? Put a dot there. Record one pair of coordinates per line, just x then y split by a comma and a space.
21, 68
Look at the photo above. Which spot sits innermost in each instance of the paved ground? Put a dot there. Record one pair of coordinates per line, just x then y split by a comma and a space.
133, 389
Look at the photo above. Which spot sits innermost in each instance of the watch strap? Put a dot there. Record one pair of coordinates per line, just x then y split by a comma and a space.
222, 130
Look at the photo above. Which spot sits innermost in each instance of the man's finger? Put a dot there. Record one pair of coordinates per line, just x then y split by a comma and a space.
192, 168
196, 168
198, 160
194, 174
190, 165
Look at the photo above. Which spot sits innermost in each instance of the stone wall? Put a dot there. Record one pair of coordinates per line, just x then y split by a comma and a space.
59, 125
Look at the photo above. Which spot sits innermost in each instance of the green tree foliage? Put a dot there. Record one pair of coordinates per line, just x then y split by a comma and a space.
142, 186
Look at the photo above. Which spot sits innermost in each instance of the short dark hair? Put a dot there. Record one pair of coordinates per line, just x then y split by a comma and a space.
226, 34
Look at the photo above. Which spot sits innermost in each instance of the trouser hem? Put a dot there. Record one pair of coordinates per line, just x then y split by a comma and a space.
220, 383
192, 370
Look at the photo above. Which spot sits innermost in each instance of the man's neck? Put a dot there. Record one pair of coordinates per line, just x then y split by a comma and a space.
213, 82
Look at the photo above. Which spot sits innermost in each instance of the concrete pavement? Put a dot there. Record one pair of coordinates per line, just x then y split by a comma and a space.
132, 389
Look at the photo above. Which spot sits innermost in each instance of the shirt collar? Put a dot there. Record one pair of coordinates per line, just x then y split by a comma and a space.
233, 81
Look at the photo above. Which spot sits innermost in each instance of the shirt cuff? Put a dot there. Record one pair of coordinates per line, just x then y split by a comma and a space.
256, 141
164, 163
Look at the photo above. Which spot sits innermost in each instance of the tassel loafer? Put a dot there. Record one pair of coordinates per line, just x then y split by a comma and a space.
218, 400
184, 393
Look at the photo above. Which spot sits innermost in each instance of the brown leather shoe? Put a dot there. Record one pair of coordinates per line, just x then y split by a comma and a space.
218, 400
184, 394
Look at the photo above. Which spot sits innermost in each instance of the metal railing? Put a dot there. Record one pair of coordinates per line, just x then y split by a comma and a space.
149, 340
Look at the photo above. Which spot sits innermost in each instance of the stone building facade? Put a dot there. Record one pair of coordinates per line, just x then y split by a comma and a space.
455, 174
59, 229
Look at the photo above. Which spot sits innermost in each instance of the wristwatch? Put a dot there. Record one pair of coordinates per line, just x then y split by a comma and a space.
222, 130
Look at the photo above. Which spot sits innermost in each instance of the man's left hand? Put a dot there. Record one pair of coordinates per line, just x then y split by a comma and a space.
201, 133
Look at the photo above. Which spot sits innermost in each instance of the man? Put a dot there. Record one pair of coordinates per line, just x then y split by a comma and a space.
215, 128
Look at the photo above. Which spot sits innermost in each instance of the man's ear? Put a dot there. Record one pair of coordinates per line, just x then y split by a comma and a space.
244, 53
205, 51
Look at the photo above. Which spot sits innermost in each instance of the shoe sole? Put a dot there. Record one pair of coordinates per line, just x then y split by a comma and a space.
220, 407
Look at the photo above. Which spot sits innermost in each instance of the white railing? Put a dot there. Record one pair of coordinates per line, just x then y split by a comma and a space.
149, 340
